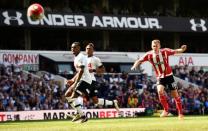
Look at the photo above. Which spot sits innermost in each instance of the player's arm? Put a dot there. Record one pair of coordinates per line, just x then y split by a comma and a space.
100, 69
79, 75
71, 81
74, 78
136, 64
139, 61
181, 50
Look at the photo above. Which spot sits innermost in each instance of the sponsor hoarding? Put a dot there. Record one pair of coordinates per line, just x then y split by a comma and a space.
62, 114
16, 18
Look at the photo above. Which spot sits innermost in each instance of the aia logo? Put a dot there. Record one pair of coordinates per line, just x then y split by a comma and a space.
9, 18
196, 25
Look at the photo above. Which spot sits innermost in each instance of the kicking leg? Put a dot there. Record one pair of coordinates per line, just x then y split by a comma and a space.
178, 103
104, 102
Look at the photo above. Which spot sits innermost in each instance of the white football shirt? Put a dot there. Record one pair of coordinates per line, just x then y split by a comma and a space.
93, 63
81, 60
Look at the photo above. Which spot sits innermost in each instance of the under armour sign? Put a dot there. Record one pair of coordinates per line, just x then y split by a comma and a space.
18, 18
198, 25
9, 18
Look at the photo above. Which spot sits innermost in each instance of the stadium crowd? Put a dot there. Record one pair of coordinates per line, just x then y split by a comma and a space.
19, 92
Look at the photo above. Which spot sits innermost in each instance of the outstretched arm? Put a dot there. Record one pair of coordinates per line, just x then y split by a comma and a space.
139, 61
181, 50
136, 64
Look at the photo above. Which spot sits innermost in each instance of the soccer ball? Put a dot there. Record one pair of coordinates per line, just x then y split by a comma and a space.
35, 12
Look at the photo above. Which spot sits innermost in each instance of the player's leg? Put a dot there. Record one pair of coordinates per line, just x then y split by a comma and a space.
68, 95
100, 101
83, 89
76, 106
80, 114
71, 97
163, 100
105, 102
178, 103
116, 105
174, 93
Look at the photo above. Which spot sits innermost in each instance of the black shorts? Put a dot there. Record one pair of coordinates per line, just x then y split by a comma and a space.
84, 88
168, 82
94, 89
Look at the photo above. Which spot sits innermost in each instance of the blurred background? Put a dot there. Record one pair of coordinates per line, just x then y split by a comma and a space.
109, 39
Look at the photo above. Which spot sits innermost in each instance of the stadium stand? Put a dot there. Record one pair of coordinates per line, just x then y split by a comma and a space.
18, 93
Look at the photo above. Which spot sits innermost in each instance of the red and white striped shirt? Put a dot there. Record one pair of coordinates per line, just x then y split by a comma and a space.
159, 61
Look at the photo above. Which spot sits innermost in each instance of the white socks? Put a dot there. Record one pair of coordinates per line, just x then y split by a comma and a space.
104, 102
75, 104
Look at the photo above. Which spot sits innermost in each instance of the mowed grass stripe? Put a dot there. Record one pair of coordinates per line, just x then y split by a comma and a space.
193, 123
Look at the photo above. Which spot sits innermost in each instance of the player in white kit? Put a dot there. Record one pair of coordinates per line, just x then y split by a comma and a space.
95, 66
80, 84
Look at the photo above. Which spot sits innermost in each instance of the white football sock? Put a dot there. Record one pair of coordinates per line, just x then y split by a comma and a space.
74, 103
104, 102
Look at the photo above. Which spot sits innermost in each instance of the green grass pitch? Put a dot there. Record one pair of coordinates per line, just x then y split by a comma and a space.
190, 123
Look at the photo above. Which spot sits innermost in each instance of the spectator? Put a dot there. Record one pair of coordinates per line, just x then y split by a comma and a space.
2, 107
132, 101
17, 66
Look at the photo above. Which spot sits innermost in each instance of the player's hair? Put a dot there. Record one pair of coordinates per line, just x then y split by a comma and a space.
91, 44
156, 41
76, 43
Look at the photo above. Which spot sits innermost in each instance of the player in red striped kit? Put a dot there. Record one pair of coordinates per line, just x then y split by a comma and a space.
159, 60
